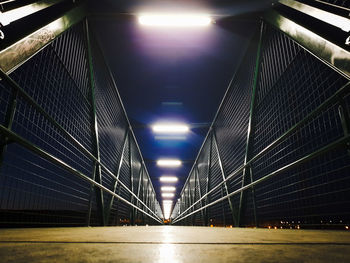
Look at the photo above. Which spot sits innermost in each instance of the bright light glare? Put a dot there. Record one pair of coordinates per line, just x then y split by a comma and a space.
167, 208
168, 179
168, 188
169, 162
168, 195
175, 20
170, 128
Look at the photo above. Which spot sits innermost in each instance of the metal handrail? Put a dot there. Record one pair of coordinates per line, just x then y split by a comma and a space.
298, 162
25, 143
344, 89
22, 93
125, 114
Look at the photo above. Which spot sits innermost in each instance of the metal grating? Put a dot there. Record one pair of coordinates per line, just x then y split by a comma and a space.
294, 161
49, 149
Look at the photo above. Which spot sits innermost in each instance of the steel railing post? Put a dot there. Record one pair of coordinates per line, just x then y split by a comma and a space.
132, 212
223, 175
139, 187
209, 177
253, 195
200, 194
250, 131
97, 175
110, 204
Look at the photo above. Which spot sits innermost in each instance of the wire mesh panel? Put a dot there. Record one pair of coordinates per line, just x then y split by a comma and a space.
315, 191
51, 195
65, 157
282, 135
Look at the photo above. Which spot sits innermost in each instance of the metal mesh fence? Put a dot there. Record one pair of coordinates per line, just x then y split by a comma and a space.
281, 135
57, 167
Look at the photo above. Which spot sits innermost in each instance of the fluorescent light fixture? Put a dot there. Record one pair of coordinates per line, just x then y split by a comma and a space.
175, 20
169, 162
170, 128
168, 195
168, 188
168, 179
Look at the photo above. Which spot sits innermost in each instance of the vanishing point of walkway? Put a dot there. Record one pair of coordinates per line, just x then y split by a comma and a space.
170, 244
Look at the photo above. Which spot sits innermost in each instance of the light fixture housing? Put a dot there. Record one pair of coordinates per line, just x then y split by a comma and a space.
175, 20
168, 189
169, 162
170, 128
168, 195
168, 179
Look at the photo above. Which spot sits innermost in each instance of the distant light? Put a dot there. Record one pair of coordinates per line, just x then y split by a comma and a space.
170, 128
175, 20
168, 195
169, 162
168, 188
167, 204
168, 179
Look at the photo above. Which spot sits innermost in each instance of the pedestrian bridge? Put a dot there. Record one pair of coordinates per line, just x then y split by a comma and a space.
133, 132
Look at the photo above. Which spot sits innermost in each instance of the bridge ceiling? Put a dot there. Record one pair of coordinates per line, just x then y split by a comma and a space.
173, 74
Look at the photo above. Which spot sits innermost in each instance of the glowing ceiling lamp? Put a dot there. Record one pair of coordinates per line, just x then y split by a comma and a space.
169, 162
168, 179
168, 188
168, 195
170, 128
175, 20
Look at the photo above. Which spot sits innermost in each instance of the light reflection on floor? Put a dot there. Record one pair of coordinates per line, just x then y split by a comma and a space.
167, 254
167, 251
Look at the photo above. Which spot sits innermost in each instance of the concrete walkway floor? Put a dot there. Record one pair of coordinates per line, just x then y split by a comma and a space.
172, 244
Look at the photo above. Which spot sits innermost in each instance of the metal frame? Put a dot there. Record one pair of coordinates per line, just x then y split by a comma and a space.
109, 207
224, 177
95, 180
345, 141
96, 174
329, 53
333, 55
246, 171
